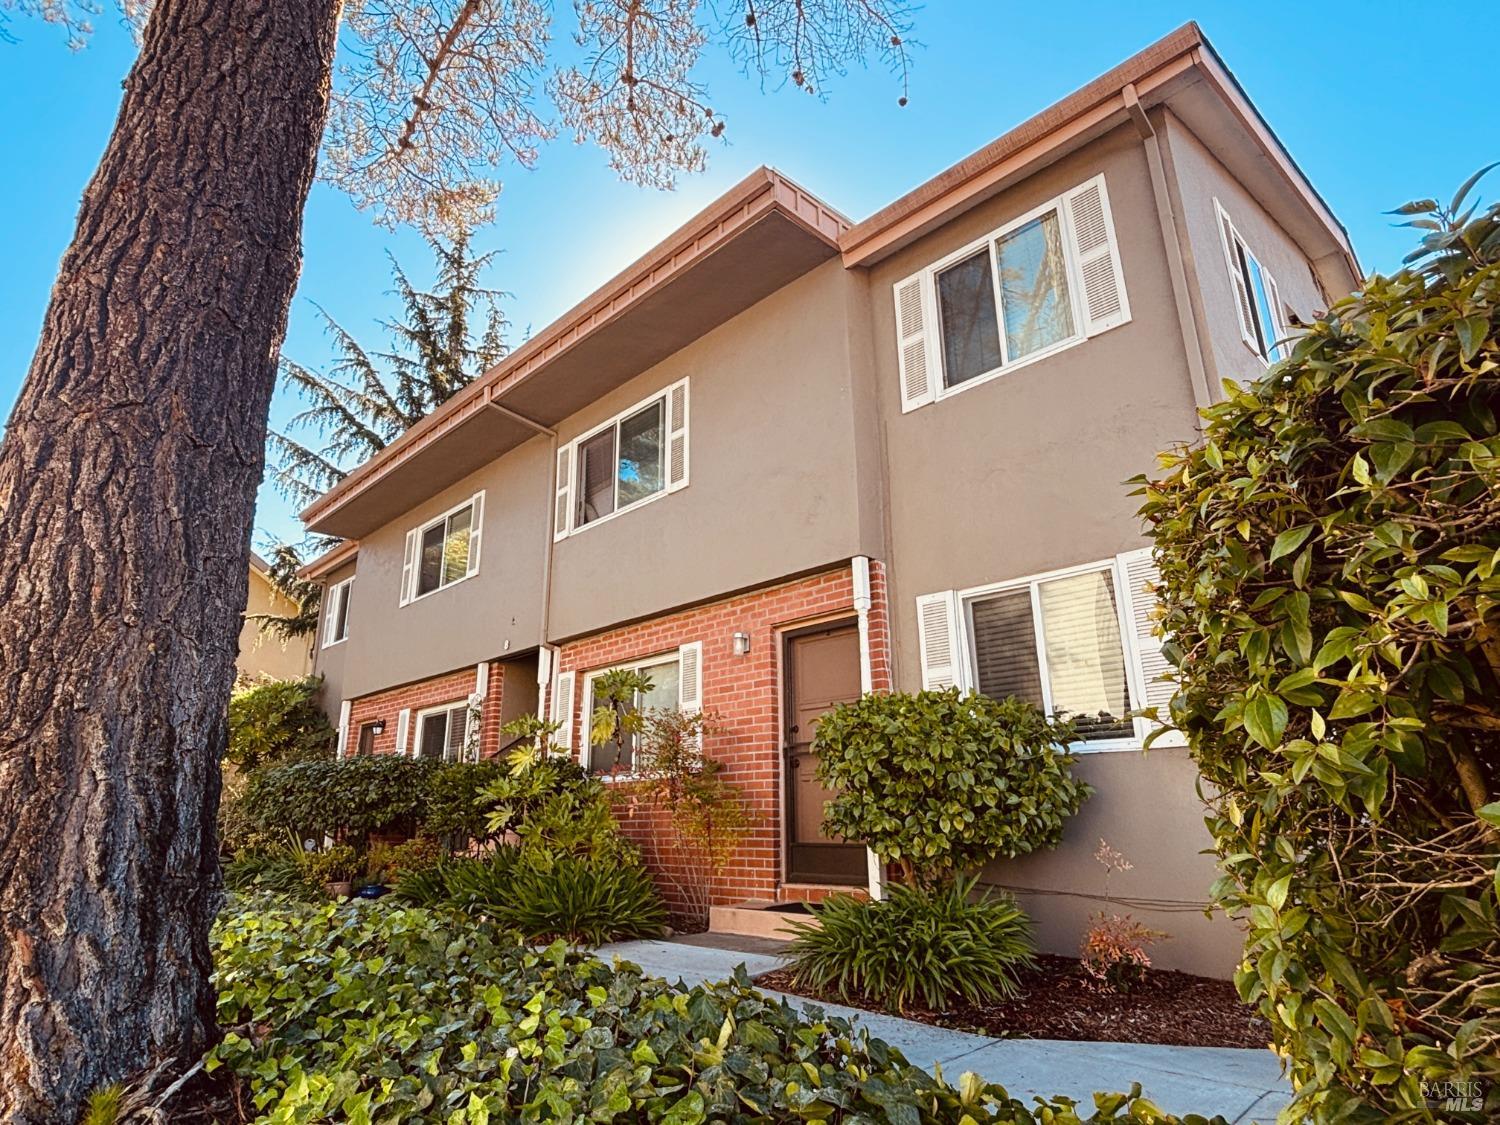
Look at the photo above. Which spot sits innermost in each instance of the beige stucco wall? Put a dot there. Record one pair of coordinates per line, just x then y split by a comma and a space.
263, 653
1196, 179
494, 614
1025, 474
774, 440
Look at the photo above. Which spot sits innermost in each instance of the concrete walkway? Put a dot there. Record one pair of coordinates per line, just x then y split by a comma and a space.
1243, 1086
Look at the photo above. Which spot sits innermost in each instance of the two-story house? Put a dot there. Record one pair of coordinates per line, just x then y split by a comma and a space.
785, 458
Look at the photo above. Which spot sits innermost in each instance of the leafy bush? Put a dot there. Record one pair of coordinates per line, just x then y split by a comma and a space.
337, 864
533, 778
366, 1013
916, 944
277, 870
1113, 950
1328, 570
941, 783
348, 798
452, 811
586, 899
278, 722
388, 862
697, 818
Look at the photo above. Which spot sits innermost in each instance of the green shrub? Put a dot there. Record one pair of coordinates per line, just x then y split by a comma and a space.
277, 870
1328, 570
386, 863
586, 899
453, 810
367, 1013
531, 779
477, 886
278, 722
348, 798
337, 864
915, 945
425, 886
941, 783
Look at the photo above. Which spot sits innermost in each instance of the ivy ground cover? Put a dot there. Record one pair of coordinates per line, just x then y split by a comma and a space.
364, 1013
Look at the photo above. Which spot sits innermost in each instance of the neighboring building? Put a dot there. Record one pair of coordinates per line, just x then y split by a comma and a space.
263, 654
784, 459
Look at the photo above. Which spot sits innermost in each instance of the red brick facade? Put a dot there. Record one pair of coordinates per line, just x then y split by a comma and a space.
451, 687
743, 693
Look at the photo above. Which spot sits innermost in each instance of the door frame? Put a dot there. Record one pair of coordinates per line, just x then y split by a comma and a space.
834, 622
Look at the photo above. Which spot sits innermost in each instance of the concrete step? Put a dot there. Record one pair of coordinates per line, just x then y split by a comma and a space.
761, 918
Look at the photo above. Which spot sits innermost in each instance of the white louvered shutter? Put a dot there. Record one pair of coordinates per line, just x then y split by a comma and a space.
1149, 665
562, 710
1097, 254
481, 679
918, 373
476, 527
690, 677
403, 730
344, 709
409, 567
1239, 284
677, 436
562, 509
937, 640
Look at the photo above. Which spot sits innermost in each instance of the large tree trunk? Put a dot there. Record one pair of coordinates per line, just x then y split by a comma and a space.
127, 487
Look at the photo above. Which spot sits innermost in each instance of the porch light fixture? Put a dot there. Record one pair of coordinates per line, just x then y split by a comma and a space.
377, 727
742, 644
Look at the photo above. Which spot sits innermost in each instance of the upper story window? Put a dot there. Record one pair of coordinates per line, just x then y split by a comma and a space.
444, 550
1044, 281
336, 612
635, 457
1257, 298
1077, 641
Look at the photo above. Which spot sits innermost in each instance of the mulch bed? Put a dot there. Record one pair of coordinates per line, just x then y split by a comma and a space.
1059, 1001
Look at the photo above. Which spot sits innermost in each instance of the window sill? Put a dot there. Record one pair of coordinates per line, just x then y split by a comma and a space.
634, 505
333, 644
440, 589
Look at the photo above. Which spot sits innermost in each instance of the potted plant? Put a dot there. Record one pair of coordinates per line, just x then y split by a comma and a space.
335, 868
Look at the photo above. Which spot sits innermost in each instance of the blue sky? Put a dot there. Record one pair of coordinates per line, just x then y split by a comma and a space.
1353, 95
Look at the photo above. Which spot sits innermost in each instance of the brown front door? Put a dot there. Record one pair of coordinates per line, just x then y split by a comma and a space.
822, 669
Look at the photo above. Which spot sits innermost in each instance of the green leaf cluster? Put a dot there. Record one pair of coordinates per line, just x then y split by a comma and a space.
915, 944
1328, 560
941, 783
346, 799
278, 722
364, 1014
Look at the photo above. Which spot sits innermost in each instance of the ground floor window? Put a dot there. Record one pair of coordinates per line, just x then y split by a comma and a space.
1056, 642
442, 732
618, 754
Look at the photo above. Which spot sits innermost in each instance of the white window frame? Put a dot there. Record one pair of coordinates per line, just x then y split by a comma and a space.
933, 314
334, 593
968, 671
586, 718
415, 577
1273, 334
417, 726
575, 461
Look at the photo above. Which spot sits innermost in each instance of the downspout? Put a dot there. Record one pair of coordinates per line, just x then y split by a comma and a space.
862, 603
1166, 220
546, 654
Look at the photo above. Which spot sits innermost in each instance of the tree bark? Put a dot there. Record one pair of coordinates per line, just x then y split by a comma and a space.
127, 488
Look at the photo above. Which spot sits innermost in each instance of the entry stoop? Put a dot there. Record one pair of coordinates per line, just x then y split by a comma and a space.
772, 918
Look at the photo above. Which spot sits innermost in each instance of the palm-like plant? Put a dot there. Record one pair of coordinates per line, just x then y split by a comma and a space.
441, 342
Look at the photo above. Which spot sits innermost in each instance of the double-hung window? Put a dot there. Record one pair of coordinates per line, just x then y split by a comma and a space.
1077, 642
1046, 280
443, 732
635, 457
336, 612
1257, 298
675, 678
444, 550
